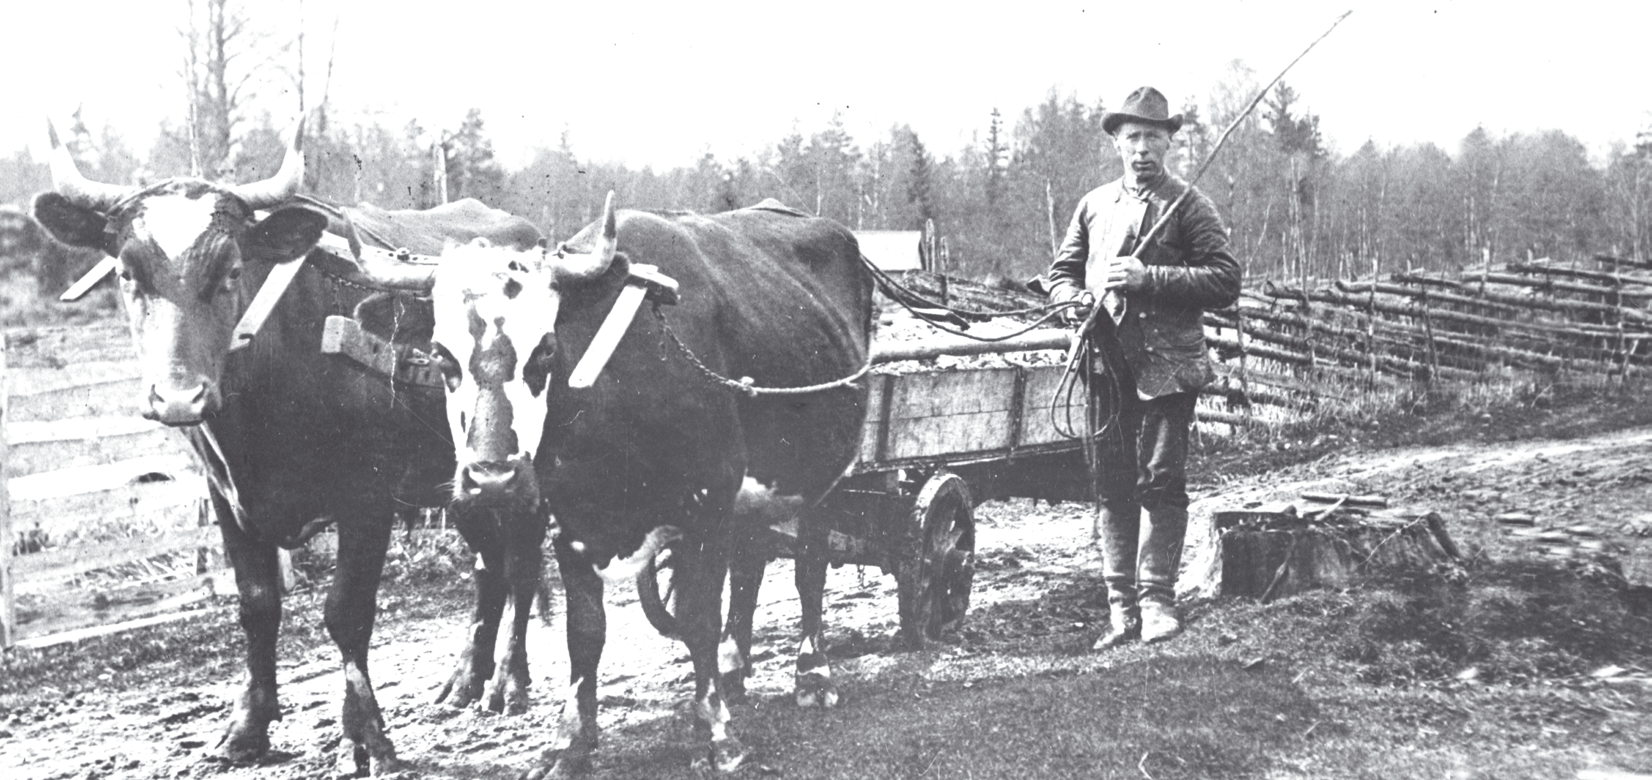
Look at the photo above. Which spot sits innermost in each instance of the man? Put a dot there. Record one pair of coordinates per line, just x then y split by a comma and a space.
1149, 376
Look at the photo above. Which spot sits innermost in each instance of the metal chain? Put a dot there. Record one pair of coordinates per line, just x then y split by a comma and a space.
745, 385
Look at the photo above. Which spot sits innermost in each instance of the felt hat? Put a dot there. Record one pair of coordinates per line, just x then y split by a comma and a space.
1146, 105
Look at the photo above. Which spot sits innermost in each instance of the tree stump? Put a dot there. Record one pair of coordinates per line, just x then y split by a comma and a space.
1266, 553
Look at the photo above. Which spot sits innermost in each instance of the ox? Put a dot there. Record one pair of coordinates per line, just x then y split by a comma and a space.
652, 452
293, 439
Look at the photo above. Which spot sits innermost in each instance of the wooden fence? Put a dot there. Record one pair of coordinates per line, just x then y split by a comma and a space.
1286, 354
102, 514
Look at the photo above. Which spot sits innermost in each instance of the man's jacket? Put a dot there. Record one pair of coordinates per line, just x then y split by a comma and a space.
1189, 269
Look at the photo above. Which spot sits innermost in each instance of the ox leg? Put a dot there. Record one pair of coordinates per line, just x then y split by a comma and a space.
700, 611
734, 655
814, 671
350, 611
475, 665
258, 578
524, 569
577, 732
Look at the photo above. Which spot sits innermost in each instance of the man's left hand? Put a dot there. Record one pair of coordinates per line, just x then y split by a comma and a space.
1126, 273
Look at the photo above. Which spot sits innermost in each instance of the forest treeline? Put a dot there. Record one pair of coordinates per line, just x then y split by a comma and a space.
1296, 208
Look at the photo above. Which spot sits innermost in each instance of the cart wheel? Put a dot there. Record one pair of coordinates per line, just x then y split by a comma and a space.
657, 591
935, 578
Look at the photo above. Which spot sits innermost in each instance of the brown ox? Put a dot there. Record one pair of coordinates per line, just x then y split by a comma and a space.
294, 438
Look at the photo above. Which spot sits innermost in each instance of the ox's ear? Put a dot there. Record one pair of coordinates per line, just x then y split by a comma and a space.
285, 234
71, 224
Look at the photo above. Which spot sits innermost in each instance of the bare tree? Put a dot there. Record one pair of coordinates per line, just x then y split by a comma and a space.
225, 58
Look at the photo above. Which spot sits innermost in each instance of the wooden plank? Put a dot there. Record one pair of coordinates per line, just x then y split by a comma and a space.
60, 563
44, 379
57, 347
942, 436
72, 609
160, 504
876, 414
96, 479
948, 412
39, 455
933, 347
66, 637
945, 393
115, 398
1037, 427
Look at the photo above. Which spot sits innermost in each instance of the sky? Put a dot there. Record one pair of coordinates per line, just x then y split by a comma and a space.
658, 84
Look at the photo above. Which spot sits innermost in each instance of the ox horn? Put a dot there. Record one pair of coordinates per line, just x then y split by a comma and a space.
277, 189
593, 264
69, 183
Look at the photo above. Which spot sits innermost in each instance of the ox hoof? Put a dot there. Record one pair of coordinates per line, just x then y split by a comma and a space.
461, 690
727, 754
352, 760
246, 739
509, 694
564, 767
824, 697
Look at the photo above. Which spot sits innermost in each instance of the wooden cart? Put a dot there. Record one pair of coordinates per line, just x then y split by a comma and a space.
933, 444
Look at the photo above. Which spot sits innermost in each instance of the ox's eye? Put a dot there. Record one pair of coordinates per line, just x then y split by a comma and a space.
540, 362
451, 372
232, 277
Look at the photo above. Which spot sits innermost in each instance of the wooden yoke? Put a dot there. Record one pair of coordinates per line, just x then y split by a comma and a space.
646, 282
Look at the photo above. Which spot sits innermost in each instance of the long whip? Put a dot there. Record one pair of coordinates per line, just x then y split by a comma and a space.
1104, 329
1223, 138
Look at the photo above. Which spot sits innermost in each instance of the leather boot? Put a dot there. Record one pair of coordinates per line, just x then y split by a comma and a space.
1119, 530
1157, 563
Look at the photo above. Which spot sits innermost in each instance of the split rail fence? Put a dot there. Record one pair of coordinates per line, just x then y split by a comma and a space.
1285, 354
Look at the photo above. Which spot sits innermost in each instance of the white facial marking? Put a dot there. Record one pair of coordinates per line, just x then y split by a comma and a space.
174, 222
474, 278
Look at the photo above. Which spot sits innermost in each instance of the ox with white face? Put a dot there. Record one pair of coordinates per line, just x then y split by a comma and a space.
494, 341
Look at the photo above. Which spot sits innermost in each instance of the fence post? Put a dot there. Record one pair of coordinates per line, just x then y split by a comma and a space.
8, 611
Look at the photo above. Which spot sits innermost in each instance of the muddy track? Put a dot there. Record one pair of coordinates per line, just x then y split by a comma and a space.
1027, 552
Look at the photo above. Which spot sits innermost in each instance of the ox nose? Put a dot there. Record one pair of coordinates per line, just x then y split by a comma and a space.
180, 406
489, 477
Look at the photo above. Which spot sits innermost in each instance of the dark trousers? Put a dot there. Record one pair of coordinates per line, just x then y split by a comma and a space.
1143, 448
1142, 454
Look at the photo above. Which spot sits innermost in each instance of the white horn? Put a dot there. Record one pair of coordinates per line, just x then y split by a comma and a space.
277, 189
595, 263
69, 183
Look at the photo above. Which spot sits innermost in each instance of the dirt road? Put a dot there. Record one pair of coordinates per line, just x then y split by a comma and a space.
127, 723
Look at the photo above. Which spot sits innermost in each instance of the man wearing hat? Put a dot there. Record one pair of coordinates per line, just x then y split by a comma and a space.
1148, 378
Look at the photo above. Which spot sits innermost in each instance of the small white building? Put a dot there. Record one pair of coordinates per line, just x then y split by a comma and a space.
892, 250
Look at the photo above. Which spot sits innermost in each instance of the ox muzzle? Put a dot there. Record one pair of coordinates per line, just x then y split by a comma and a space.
508, 482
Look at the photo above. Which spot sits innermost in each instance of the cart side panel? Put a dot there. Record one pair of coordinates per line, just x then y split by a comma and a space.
1037, 427
877, 415
943, 413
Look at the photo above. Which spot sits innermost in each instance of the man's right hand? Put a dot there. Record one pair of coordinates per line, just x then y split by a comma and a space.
1074, 316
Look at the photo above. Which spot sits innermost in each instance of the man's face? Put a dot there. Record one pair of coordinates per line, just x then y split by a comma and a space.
1142, 148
